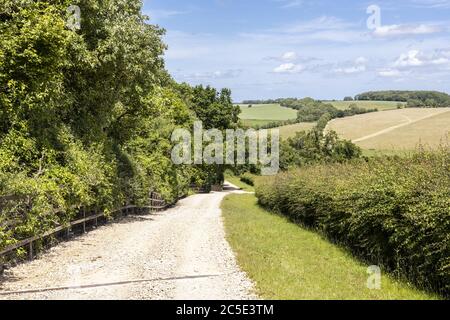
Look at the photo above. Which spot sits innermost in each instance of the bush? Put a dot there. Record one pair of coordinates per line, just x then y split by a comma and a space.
248, 179
393, 212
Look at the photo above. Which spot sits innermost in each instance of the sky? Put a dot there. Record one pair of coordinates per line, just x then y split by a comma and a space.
324, 49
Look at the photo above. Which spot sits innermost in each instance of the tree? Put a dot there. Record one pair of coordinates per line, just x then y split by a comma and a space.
86, 115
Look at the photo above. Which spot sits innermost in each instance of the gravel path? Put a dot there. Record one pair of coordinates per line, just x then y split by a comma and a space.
177, 254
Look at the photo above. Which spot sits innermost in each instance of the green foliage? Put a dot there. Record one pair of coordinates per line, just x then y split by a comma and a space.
286, 261
215, 109
271, 124
248, 179
414, 99
86, 116
393, 212
308, 147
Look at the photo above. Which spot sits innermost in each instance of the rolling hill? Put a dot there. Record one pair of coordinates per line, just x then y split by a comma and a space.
402, 129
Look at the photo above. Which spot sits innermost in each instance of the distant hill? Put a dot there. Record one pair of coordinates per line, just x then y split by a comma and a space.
414, 99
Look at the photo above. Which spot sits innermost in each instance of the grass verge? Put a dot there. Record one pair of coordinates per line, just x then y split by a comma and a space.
288, 262
238, 183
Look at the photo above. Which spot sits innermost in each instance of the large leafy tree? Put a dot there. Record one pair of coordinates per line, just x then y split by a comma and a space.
85, 114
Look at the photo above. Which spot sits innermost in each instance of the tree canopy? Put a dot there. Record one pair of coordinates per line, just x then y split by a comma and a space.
86, 115
414, 99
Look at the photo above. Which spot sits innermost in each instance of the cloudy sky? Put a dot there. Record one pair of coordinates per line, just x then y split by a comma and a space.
295, 48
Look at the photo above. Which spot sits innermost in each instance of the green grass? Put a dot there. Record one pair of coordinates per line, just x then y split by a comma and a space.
238, 183
267, 112
380, 105
288, 262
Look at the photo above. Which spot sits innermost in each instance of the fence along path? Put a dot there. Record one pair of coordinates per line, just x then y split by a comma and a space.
157, 203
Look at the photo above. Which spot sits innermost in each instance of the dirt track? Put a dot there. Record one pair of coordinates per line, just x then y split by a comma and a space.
178, 254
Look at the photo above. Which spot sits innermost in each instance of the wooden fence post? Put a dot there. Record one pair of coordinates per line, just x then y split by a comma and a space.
84, 222
30, 251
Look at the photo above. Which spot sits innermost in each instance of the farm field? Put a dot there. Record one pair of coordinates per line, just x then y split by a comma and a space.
289, 262
400, 129
380, 105
289, 131
267, 112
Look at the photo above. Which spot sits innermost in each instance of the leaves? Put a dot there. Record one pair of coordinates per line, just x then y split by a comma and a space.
393, 212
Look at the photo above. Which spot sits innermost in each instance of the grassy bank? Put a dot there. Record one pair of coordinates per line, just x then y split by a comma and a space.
289, 262
393, 212
238, 183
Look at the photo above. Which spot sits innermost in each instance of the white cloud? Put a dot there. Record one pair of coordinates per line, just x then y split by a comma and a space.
358, 66
289, 56
219, 74
291, 3
416, 58
361, 60
320, 23
405, 30
156, 15
389, 73
432, 4
351, 70
410, 59
289, 68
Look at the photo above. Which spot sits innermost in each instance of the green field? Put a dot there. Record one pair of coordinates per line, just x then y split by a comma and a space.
267, 112
380, 105
288, 262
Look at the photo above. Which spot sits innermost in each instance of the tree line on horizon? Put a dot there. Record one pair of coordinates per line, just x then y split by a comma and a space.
414, 99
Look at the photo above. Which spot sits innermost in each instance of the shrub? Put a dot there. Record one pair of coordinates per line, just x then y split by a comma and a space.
248, 179
393, 212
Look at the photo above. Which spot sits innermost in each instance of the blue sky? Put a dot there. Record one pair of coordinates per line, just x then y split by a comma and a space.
296, 48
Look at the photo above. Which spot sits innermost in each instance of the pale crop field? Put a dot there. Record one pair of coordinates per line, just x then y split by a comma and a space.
402, 129
289, 131
430, 132
272, 112
380, 105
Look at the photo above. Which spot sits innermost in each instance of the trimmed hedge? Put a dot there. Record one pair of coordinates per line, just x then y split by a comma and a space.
393, 212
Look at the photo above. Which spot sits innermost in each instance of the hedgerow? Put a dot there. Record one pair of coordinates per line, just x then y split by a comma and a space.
393, 212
